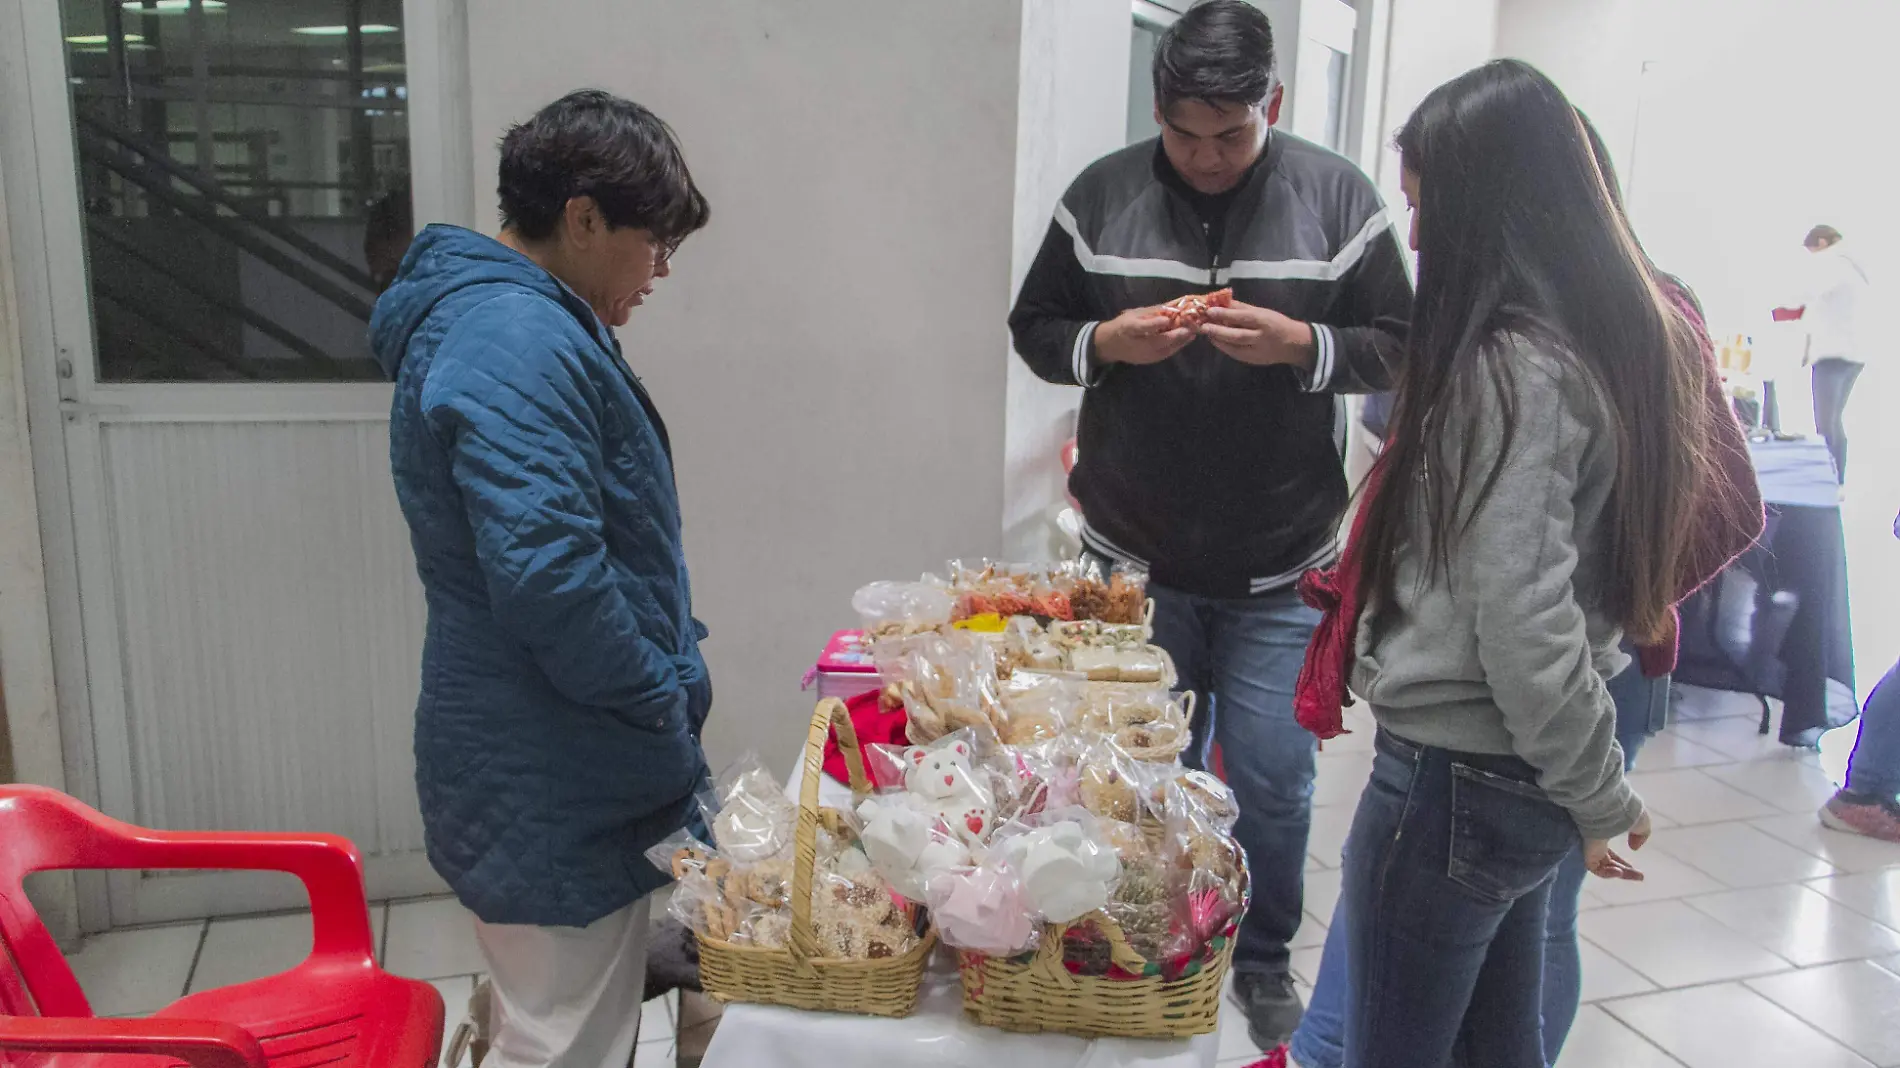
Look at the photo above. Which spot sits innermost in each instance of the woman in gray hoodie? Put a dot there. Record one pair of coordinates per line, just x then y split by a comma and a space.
1534, 505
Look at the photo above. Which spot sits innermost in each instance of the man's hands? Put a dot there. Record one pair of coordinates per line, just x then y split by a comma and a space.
1603, 861
1139, 336
1260, 337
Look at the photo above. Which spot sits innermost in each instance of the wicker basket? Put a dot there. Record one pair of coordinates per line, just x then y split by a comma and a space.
1160, 752
797, 976
1037, 993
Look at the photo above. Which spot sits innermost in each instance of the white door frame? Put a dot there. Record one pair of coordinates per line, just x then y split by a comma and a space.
38, 161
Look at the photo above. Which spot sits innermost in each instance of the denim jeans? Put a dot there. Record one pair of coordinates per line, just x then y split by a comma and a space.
1448, 885
1874, 769
1641, 710
1242, 657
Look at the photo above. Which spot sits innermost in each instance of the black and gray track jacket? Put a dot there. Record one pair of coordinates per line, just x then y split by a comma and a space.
1225, 480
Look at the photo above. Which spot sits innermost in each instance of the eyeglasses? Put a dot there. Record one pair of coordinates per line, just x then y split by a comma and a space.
663, 250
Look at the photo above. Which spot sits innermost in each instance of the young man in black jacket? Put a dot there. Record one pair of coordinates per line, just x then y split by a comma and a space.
1213, 455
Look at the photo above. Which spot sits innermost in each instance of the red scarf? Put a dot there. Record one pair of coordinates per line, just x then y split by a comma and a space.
1320, 695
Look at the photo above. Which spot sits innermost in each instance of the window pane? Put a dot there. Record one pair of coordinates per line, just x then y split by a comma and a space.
244, 178
1141, 86
1338, 89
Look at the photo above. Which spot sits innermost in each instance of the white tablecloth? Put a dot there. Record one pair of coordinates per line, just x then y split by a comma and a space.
938, 1034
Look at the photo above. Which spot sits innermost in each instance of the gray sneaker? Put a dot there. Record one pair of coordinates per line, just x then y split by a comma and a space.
1271, 1005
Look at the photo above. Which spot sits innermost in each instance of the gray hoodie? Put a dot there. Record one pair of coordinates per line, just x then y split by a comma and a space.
1510, 655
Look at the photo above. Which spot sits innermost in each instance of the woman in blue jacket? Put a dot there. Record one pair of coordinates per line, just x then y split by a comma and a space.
557, 731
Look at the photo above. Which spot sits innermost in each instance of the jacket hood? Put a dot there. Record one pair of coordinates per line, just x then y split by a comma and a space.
444, 260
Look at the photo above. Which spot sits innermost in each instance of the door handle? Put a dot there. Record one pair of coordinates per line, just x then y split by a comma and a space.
74, 410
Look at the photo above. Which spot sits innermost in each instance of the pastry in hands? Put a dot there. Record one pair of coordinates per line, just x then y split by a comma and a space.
1191, 311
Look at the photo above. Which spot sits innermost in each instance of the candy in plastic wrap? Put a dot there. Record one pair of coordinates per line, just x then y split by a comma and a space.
902, 608
1066, 869
982, 909
753, 819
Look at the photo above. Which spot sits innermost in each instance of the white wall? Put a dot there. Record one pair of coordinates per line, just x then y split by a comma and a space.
1431, 42
829, 354
1737, 125
1074, 75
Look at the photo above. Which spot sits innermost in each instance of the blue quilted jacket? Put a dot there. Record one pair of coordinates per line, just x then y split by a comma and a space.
557, 731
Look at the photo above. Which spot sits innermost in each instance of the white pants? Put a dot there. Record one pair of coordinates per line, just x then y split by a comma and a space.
566, 997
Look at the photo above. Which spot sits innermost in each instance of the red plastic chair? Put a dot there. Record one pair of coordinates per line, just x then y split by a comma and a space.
335, 1009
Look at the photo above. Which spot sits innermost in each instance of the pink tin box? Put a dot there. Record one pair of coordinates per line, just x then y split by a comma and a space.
845, 669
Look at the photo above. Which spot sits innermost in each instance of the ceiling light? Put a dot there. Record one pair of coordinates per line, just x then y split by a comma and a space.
168, 7
100, 38
100, 50
340, 31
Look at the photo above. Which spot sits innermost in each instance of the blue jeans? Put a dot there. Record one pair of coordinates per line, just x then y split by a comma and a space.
1874, 769
1448, 885
1242, 657
1642, 706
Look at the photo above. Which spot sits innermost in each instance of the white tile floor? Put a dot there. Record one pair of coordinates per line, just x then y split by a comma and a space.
1760, 940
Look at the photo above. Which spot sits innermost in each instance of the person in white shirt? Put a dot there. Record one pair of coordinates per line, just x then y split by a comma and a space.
1836, 288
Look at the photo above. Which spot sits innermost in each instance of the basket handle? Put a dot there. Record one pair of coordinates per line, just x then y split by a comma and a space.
1170, 675
1148, 616
830, 712
1049, 954
1187, 705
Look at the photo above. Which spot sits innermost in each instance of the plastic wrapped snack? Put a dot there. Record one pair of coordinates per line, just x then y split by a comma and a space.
1208, 875
859, 917
1106, 781
951, 685
1028, 647
1149, 725
1118, 594
1039, 707
764, 928
1065, 866
1201, 796
1084, 632
1096, 663
901, 608
989, 588
1139, 663
751, 818
1141, 904
699, 903
981, 909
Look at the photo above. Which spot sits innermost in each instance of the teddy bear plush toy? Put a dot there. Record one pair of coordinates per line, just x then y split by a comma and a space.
943, 778
930, 827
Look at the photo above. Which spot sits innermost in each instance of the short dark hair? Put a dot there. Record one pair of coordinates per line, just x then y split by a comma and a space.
1220, 53
591, 143
1821, 235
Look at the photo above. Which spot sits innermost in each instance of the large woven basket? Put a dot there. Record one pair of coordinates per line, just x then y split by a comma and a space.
798, 976
1037, 993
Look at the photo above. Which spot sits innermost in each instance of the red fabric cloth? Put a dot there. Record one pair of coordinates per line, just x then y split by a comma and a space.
1276, 1059
1320, 695
1729, 515
875, 727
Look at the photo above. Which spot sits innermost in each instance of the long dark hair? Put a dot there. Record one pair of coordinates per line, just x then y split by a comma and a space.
1520, 234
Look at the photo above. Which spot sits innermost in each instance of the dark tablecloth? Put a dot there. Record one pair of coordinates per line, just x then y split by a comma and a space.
1776, 623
